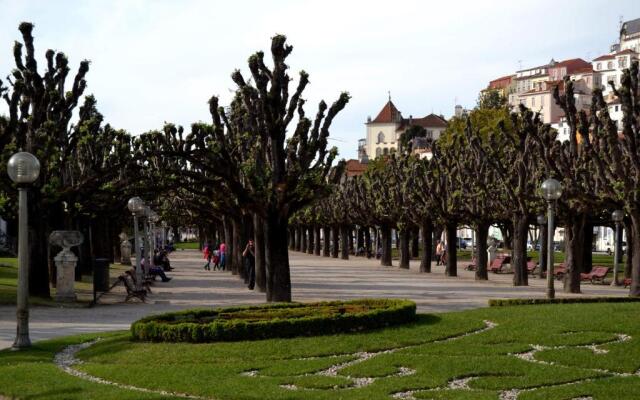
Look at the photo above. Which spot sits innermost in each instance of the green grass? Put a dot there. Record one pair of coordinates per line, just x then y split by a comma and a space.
187, 246
215, 370
9, 282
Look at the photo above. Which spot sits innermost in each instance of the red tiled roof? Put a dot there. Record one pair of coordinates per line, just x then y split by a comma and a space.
355, 168
584, 70
625, 51
605, 57
388, 114
572, 64
430, 121
501, 82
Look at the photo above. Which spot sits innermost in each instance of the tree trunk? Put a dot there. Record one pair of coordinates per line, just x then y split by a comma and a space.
519, 250
228, 237
385, 238
415, 244
482, 258
587, 248
316, 240
573, 250
628, 267
404, 248
451, 267
335, 237
303, 235
344, 239
311, 241
258, 239
326, 241
544, 251
298, 238
236, 250
38, 259
277, 258
427, 246
360, 239
350, 239
291, 238
633, 242
367, 241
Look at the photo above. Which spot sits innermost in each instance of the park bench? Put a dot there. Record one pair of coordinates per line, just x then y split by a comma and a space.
559, 271
129, 285
147, 279
498, 264
626, 282
531, 267
473, 266
597, 274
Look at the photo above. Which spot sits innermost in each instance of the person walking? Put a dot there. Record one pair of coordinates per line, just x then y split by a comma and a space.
439, 251
208, 253
223, 256
250, 263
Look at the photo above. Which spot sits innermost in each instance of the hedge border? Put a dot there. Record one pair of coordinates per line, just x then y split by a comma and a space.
152, 328
564, 300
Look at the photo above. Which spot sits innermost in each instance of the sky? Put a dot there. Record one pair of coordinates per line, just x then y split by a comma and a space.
157, 61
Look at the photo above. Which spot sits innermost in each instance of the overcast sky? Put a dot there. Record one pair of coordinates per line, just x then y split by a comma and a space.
156, 61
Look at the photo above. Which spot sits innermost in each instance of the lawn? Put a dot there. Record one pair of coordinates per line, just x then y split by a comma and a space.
9, 279
187, 246
540, 352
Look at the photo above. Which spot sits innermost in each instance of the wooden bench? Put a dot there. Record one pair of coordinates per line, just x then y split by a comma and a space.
130, 286
626, 282
498, 264
559, 271
473, 266
597, 274
531, 267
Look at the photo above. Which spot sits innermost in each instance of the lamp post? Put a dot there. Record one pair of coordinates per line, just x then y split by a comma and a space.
145, 242
23, 168
617, 217
153, 218
551, 191
136, 206
541, 239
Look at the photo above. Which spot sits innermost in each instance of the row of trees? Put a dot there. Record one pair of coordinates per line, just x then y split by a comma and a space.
487, 169
262, 164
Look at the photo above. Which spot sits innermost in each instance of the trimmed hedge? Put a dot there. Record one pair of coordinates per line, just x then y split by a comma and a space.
566, 300
279, 320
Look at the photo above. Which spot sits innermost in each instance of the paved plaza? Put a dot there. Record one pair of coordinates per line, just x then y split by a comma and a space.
313, 278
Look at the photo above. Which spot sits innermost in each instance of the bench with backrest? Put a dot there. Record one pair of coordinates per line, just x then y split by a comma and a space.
531, 267
498, 264
597, 274
147, 280
559, 271
626, 282
473, 266
129, 285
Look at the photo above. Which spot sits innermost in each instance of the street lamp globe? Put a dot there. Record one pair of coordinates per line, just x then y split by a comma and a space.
617, 216
135, 205
551, 189
23, 168
542, 219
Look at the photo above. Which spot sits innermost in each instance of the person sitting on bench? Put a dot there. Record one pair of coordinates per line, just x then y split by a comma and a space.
156, 270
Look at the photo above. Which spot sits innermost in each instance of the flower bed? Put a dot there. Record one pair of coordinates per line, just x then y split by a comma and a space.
279, 320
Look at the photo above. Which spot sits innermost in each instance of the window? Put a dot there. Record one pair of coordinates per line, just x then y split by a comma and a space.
533, 102
610, 65
542, 101
393, 150
380, 137
615, 108
378, 151
385, 151
598, 66
622, 62
429, 134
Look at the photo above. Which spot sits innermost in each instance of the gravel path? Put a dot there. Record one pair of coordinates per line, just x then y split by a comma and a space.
313, 278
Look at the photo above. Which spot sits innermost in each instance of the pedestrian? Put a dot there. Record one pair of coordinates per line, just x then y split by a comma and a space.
443, 257
250, 263
223, 255
216, 259
439, 250
208, 253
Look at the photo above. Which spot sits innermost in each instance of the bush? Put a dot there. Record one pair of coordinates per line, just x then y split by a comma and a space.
280, 320
569, 300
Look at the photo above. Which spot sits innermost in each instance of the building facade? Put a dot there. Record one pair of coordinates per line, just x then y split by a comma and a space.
383, 132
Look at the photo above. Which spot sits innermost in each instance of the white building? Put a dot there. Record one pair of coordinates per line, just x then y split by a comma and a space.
383, 132
609, 68
630, 35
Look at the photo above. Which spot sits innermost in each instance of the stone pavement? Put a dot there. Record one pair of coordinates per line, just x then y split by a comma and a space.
313, 278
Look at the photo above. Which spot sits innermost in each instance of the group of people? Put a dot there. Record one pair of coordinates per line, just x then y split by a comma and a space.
215, 255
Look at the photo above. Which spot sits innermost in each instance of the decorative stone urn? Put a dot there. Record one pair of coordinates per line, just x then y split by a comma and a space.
65, 263
125, 249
